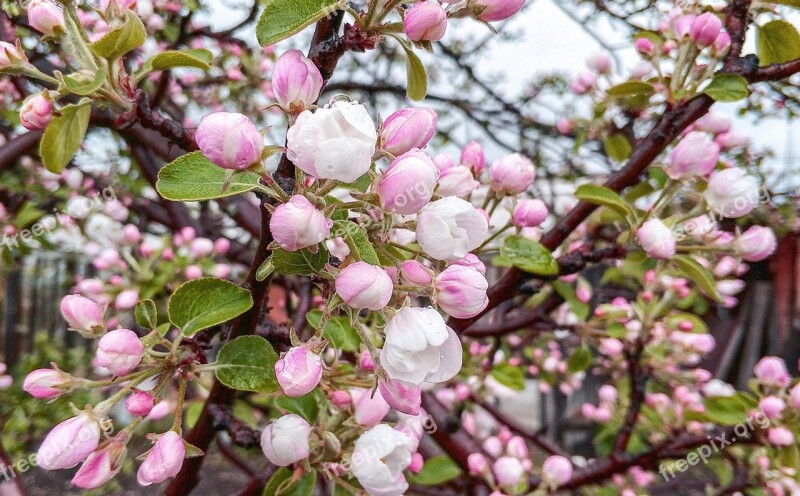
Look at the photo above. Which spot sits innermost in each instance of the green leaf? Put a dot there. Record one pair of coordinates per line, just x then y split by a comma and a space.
282, 484
192, 177
727, 88
283, 18
83, 82
631, 88
579, 360
437, 470
199, 58
64, 136
617, 147
777, 42
206, 302
509, 376
300, 262
697, 274
360, 246
248, 364
306, 406
725, 410
417, 78
146, 314
121, 40
338, 330
527, 255
600, 195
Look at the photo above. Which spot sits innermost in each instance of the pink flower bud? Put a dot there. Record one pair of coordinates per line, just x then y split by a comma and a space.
612, 347
471, 260
512, 174
607, 394
771, 371
229, 140
704, 29
83, 315
44, 16
477, 464
780, 436
298, 371
443, 161
201, 247
163, 461
295, 79
727, 141
46, 383
517, 448
408, 128
417, 462
732, 192
407, 184
656, 239
794, 397
472, 156
425, 21
404, 397
36, 112
508, 471
644, 46
556, 470
370, 408
126, 299
340, 398
457, 181
286, 440
461, 291
756, 243
362, 285
298, 224
772, 406
529, 213
222, 245
413, 273
723, 43
101, 466
120, 351
682, 26
493, 446
69, 443
131, 234
713, 123
695, 155
600, 63
194, 272
140, 403
499, 10
9, 55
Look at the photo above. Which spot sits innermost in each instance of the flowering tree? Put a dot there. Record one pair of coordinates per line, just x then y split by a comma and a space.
330, 290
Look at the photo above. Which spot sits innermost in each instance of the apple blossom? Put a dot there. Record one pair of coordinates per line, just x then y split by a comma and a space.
695, 155
362, 285
529, 213
46, 383
297, 224
295, 79
780, 436
457, 181
656, 239
413, 273
333, 142
461, 291
556, 470
83, 315
120, 351
472, 157
477, 463
408, 128
402, 396
126, 299
449, 228
732, 193
140, 403
420, 347
379, 457
102, 465
36, 112
69, 443
230, 140
163, 461
771, 371
512, 174
425, 21
508, 470
756, 243
772, 406
298, 371
46, 17
705, 28
498, 10
407, 184
286, 440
